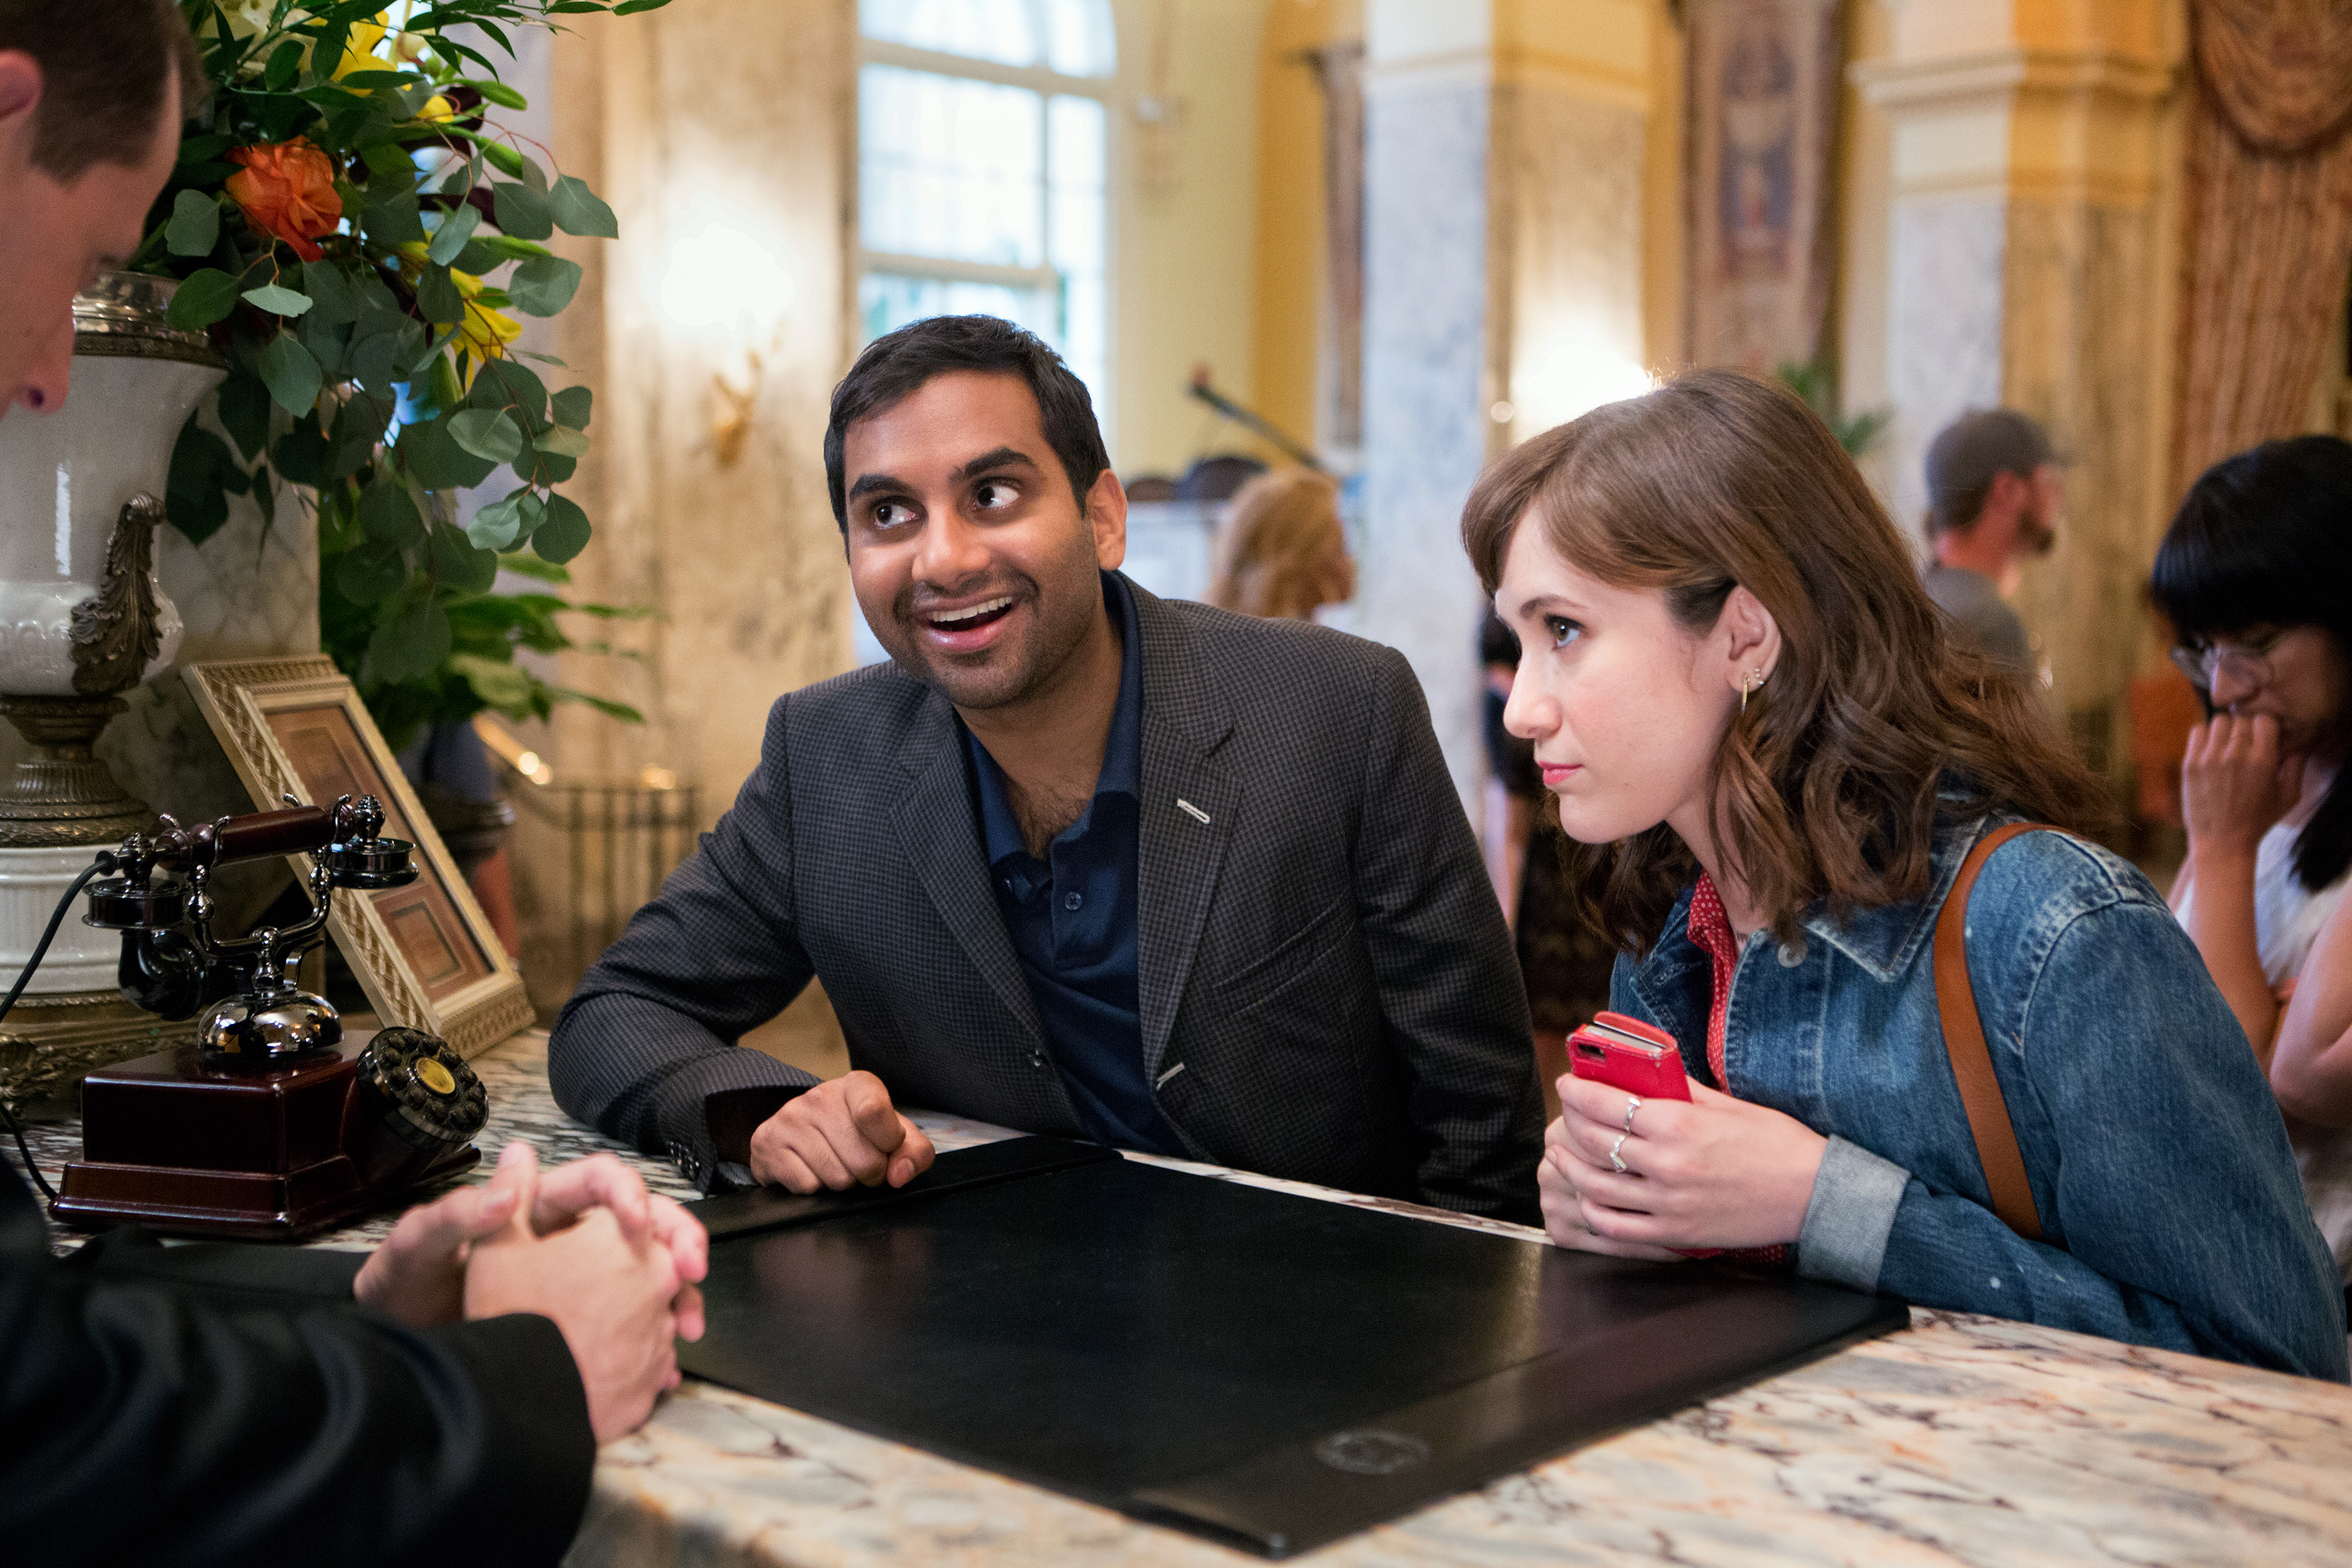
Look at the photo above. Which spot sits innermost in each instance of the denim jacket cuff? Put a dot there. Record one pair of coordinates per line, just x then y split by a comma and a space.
1850, 1217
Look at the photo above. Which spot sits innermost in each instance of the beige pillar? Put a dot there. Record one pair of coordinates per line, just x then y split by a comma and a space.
725, 133
2031, 151
1503, 288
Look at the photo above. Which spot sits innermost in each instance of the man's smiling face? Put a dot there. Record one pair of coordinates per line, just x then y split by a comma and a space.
969, 551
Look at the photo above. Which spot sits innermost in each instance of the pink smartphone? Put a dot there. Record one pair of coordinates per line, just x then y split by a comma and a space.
1626, 1053
1640, 1058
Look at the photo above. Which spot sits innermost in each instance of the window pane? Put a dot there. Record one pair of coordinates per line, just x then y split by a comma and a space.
1000, 30
950, 167
1080, 38
1074, 243
887, 302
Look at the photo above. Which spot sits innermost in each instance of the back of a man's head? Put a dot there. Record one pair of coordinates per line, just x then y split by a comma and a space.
104, 68
896, 364
1970, 454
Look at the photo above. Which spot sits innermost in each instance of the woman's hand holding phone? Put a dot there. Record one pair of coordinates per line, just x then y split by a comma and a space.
1701, 1175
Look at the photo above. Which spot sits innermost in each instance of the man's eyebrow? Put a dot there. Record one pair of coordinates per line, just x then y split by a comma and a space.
868, 483
1001, 457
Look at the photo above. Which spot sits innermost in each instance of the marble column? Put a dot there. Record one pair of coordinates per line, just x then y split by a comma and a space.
723, 134
2026, 267
1503, 288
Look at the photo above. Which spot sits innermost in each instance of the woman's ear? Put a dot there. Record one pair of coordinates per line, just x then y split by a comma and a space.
1751, 640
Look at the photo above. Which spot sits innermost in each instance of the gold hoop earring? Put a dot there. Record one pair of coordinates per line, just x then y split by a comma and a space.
1748, 687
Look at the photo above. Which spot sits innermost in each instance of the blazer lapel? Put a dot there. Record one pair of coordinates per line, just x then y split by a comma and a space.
1186, 819
942, 843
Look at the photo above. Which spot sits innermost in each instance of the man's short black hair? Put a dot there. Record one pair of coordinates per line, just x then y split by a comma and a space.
104, 64
894, 365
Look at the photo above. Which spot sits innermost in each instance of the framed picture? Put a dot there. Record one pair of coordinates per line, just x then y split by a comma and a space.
425, 953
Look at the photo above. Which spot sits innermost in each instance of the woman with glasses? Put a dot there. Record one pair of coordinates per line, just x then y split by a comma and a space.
2255, 574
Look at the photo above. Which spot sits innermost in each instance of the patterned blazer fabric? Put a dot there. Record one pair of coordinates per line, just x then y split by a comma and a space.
1327, 989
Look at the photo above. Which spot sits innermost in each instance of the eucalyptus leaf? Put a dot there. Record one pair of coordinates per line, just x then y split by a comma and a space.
195, 228
437, 296
450, 238
579, 210
462, 564
375, 362
503, 383
389, 517
304, 454
487, 433
496, 525
277, 300
522, 212
506, 160
193, 496
631, 7
436, 461
208, 295
563, 533
245, 412
290, 372
396, 221
562, 441
571, 407
369, 576
543, 285
335, 299
411, 645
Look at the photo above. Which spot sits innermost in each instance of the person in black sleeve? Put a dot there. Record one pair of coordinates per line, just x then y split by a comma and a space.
438, 1399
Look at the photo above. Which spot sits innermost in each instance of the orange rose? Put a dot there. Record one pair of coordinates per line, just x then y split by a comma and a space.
288, 190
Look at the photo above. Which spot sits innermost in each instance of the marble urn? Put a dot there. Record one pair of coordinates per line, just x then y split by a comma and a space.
83, 618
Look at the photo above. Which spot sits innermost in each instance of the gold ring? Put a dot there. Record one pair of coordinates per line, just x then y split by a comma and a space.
1614, 1158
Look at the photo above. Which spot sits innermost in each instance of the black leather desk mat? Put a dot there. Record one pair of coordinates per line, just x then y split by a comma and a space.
1271, 1371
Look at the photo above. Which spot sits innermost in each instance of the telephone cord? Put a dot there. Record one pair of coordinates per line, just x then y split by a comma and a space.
104, 863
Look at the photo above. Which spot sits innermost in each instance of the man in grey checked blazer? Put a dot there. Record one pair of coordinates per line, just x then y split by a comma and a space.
1288, 957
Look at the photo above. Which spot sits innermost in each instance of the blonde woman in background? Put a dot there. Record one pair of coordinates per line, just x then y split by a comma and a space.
1281, 552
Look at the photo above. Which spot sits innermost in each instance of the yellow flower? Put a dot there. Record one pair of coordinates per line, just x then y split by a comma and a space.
485, 334
360, 47
437, 108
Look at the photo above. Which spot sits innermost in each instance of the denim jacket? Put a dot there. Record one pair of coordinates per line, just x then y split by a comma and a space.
2171, 1208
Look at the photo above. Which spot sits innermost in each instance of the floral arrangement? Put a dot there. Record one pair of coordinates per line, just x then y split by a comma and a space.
357, 234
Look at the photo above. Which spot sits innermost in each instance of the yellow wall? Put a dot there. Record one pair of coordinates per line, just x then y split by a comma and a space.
1291, 261
1185, 247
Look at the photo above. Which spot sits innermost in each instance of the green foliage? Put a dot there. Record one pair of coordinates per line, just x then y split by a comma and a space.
1817, 385
371, 365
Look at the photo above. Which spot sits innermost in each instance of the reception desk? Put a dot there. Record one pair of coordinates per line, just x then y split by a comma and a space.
1963, 1440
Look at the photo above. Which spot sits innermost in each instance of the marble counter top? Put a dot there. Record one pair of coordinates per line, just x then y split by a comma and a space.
1966, 1440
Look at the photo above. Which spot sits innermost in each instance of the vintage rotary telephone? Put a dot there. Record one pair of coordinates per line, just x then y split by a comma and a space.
271, 1125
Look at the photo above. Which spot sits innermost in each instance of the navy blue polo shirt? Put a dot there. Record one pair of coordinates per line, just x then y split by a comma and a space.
1072, 916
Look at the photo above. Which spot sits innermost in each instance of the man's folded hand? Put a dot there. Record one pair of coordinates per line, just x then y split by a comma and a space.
844, 1132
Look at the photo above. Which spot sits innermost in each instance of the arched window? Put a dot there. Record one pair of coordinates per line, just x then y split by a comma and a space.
982, 164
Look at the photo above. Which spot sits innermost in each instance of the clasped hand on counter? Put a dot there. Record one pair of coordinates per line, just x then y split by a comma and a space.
614, 1266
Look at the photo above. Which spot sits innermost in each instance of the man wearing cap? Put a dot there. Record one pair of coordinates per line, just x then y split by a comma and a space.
1993, 494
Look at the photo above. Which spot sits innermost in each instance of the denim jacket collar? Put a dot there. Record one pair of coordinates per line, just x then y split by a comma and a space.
1884, 940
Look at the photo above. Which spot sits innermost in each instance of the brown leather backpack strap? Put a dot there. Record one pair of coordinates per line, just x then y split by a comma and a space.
1964, 1041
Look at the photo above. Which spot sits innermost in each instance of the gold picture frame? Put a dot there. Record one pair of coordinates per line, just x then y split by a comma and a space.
425, 953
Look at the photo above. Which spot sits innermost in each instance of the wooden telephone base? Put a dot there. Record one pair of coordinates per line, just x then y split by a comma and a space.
177, 1145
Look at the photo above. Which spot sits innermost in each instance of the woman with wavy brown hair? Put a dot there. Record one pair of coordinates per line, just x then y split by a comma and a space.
1773, 762
1281, 552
